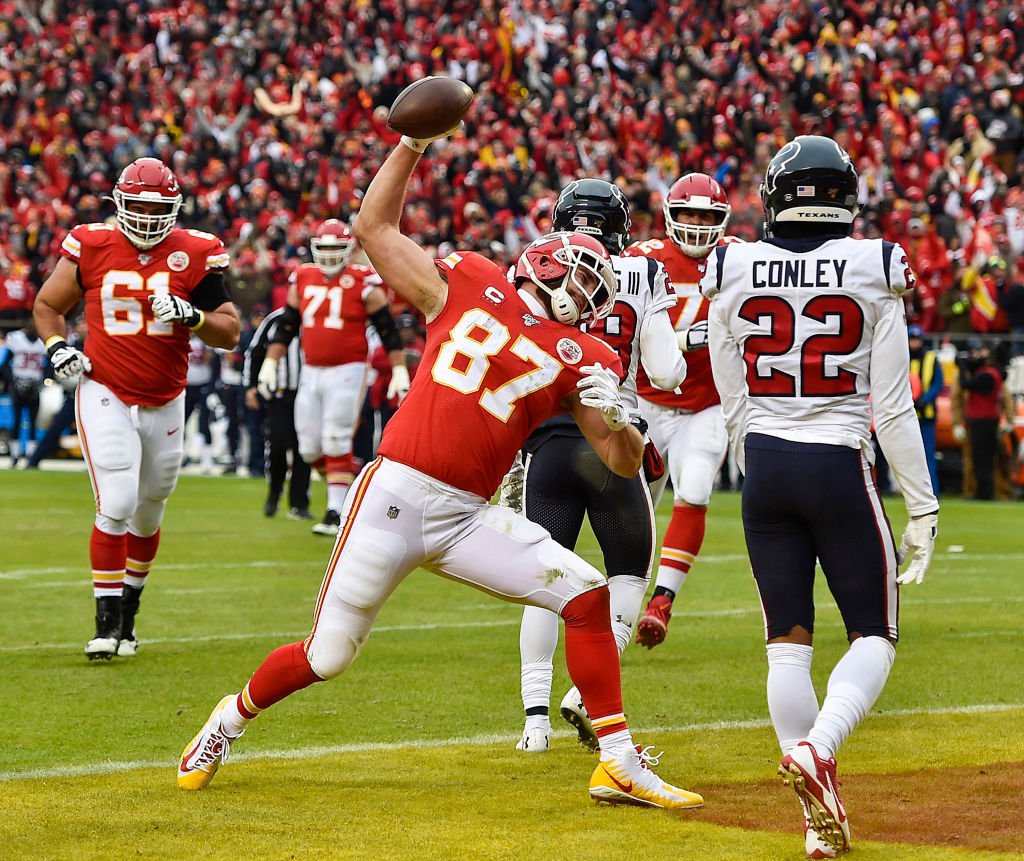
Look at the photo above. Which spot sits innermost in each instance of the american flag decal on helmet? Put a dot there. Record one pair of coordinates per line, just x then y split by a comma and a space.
805, 191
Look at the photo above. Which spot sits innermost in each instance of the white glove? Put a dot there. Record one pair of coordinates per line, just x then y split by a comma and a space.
510, 494
960, 434
599, 389
399, 385
173, 309
266, 382
694, 338
917, 545
420, 144
67, 362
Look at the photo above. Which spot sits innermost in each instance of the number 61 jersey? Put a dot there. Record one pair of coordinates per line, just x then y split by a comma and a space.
801, 332
140, 359
492, 370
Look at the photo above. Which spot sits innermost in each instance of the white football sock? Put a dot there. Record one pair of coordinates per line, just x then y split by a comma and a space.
854, 686
670, 578
626, 594
616, 744
232, 723
792, 703
538, 638
336, 494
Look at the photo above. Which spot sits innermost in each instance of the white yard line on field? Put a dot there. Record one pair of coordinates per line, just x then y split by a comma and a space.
317, 752
710, 559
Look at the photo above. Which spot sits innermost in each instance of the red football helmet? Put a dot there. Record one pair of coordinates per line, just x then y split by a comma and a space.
696, 191
146, 181
332, 246
556, 260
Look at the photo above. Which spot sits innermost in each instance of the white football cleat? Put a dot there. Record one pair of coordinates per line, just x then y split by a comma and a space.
535, 740
575, 713
816, 785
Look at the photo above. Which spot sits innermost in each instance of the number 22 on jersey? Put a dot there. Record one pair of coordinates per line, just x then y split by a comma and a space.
815, 380
463, 361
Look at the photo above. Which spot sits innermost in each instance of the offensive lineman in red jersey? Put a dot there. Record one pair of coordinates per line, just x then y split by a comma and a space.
499, 359
331, 302
147, 285
686, 425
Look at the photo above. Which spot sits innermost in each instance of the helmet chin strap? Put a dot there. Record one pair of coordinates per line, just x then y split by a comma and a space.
563, 308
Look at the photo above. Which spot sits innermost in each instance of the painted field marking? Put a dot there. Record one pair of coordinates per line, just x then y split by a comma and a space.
98, 768
710, 559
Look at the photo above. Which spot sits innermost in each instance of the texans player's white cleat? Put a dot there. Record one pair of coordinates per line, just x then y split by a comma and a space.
575, 713
814, 780
207, 752
629, 779
535, 740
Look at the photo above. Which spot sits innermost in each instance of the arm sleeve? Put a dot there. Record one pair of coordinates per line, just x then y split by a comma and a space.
896, 426
730, 377
286, 326
659, 352
384, 323
210, 293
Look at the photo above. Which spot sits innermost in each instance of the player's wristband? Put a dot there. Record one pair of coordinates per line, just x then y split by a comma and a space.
54, 342
200, 321
414, 144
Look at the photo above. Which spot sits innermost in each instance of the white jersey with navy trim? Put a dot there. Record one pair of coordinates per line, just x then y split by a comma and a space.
643, 293
803, 332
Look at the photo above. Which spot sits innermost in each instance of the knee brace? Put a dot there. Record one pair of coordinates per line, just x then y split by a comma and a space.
333, 648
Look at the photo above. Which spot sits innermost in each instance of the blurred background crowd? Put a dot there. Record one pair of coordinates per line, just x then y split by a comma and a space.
272, 114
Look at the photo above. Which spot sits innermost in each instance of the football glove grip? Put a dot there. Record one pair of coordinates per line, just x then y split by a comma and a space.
266, 382
916, 546
399, 385
67, 361
694, 338
173, 309
599, 389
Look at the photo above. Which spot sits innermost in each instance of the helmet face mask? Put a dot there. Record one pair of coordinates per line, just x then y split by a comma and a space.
559, 265
144, 182
696, 192
810, 187
332, 246
596, 208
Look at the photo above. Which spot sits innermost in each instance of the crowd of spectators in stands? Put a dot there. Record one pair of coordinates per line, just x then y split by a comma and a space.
272, 114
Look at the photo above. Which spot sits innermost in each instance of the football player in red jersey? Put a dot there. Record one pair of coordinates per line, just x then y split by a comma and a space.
499, 359
686, 425
331, 300
147, 285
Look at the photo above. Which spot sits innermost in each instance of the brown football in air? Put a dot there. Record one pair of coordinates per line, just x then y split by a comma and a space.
430, 106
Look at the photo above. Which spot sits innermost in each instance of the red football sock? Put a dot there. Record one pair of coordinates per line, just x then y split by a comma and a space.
141, 553
285, 671
593, 659
340, 469
107, 554
683, 538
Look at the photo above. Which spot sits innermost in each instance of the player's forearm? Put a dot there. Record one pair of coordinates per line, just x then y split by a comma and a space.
220, 329
660, 354
396, 358
624, 452
899, 437
49, 321
381, 208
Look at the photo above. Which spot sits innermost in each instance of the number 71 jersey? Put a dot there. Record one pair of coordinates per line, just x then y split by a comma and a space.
140, 359
492, 370
799, 330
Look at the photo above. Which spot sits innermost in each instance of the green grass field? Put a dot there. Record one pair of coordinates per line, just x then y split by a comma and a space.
410, 754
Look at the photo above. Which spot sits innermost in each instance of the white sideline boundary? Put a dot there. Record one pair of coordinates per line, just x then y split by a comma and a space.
316, 752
